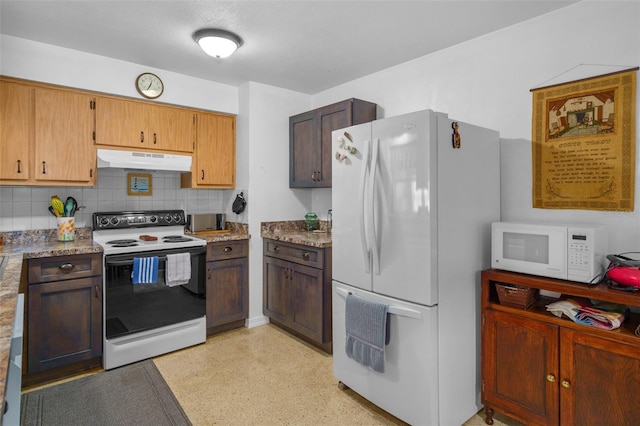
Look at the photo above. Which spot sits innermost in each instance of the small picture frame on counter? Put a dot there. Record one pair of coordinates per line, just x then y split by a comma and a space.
139, 184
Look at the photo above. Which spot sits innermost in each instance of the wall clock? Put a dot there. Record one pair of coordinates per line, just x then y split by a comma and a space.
149, 85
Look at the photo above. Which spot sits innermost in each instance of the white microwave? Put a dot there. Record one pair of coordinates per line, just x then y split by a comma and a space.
575, 253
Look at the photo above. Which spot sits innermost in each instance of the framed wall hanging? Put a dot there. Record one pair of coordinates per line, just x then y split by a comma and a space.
583, 143
139, 184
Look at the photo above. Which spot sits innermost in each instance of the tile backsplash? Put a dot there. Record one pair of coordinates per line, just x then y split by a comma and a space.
26, 207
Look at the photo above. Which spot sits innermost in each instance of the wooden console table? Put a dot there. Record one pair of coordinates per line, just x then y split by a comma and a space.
541, 369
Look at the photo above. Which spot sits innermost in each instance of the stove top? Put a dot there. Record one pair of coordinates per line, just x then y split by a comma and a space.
132, 232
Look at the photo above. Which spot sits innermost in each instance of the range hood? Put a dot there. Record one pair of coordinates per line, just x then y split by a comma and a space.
112, 158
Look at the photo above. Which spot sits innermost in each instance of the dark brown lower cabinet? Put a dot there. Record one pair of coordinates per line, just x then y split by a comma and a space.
297, 290
544, 370
64, 314
227, 285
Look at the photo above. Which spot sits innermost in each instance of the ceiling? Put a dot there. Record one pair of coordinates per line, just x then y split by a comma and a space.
306, 46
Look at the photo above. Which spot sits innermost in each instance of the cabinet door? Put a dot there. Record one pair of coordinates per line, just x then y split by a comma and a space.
64, 125
276, 274
520, 367
122, 123
600, 380
64, 323
227, 291
304, 150
171, 129
215, 150
307, 301
332, 117
16, 109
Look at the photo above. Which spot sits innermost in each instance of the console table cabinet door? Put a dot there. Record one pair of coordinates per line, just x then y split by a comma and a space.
599, 381
520, 367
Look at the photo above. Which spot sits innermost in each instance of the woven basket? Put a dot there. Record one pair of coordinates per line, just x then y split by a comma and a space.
516, 296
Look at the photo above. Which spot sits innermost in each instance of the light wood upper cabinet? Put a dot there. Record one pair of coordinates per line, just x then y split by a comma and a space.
46, 135
16, 109
64, 123
142, 125
214, 162
121, 123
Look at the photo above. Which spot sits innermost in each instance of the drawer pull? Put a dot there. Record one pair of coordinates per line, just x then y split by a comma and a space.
276, 248
551, 378
66, 267
566, 384
305, 255
227, 249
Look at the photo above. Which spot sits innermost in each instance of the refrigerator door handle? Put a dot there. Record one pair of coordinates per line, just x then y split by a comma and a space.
366, 250
400, 311
371, 193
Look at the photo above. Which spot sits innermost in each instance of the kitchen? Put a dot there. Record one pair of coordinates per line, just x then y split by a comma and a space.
485, 81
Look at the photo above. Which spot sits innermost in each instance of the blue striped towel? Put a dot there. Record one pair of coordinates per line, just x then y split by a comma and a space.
367, 332
145, 270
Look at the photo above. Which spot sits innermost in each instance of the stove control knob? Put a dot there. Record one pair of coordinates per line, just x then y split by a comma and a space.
177, 217
167, 218
114, 220
153, 219
104, 221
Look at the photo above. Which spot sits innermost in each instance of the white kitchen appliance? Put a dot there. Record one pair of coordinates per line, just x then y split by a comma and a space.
413, 199
575, 253
149, 319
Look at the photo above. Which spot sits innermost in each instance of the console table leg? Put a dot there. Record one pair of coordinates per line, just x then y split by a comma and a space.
488, 415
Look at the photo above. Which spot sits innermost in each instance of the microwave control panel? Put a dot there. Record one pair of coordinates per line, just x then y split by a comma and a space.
585, 253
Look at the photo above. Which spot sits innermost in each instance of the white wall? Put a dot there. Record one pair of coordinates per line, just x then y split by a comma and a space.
487, 82
265, 110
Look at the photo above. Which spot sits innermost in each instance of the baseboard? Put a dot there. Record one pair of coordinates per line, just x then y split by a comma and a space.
256, 321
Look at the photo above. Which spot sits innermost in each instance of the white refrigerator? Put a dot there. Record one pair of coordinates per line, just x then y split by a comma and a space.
412, 209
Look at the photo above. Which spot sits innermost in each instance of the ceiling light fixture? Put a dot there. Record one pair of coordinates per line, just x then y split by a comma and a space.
217, 43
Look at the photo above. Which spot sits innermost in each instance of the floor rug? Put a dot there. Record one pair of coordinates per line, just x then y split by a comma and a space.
135, 394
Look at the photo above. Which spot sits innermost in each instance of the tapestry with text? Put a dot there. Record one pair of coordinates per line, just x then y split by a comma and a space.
583, 144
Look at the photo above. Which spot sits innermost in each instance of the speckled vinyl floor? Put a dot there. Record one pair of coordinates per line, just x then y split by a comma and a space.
264, 376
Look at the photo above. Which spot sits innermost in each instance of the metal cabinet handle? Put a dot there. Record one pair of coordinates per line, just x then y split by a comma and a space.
141, 137
96, 292
208, 274
551, 378
566, 384
66, 267
44, 167
227, 249
276, 248
19, 166
154, 138
305, 255
202, 174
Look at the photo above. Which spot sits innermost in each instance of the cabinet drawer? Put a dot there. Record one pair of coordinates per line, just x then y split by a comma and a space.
304, 255
60, 268
227, 250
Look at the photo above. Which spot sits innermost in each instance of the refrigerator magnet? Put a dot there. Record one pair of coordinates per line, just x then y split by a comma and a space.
455, 136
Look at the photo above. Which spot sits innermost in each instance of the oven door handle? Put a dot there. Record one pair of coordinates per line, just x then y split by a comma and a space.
111, 262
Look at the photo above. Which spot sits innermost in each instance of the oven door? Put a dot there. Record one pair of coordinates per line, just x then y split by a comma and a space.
132, 308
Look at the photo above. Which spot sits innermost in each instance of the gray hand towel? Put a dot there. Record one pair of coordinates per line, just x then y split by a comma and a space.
366, 326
